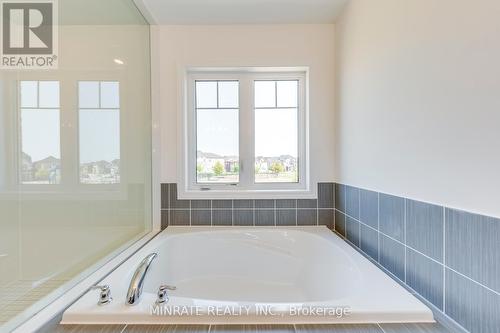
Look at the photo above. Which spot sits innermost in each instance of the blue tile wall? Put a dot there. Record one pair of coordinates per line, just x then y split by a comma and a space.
392, 216
450, 258
269, 212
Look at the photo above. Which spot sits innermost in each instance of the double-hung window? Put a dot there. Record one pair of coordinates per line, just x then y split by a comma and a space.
245, 133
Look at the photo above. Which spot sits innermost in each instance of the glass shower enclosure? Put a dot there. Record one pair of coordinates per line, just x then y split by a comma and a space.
75, 153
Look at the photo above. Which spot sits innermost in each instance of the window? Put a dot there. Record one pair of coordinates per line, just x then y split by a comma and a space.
40, 132
99, 132
246, 131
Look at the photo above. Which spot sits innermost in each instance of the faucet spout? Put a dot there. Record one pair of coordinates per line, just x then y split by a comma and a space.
137, 282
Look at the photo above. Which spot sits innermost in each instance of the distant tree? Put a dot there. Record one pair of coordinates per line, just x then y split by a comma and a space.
257, 168
276, 167
236, 168
199, 168
218, 168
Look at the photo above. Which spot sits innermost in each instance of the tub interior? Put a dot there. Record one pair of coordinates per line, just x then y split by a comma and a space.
262, 266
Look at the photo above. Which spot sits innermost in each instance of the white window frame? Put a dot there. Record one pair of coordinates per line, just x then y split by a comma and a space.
246, 188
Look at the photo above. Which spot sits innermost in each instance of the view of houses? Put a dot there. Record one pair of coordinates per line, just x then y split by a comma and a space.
211, 167
48, 171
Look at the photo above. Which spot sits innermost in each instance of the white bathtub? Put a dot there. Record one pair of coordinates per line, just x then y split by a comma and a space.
253, 276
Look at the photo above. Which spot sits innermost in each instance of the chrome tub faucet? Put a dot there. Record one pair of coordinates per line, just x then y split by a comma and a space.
135, 288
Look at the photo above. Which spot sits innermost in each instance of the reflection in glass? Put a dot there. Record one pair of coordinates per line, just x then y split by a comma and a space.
217, 132
40, 133
99, 133
276, 132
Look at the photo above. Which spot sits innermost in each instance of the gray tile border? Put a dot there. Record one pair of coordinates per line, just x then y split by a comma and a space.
340, 222
164, 196
368, 208
264, 204
164, 219
286, 217
352, 231
222, 204
352, 201
307, 217
340, 198
473, 246
174, 202
326, 217
392, 216
264, 217
201, 204
307, 203
179, 217
425, 276
326, 195
369, 241
243, 217
392, 256
471, 305
425, 228
242, 203
286, 203
201, 217
222, 217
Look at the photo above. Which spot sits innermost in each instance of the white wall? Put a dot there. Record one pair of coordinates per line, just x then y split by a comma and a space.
178, 47
418, 111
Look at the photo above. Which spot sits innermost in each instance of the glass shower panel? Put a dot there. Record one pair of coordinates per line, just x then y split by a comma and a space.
75, 156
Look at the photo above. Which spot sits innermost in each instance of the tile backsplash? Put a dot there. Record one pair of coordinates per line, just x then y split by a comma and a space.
449, 257
285, 212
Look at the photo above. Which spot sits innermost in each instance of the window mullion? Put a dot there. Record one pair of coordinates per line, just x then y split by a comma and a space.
246, 131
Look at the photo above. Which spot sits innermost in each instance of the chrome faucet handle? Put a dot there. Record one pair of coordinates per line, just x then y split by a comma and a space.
105, 295
162, 296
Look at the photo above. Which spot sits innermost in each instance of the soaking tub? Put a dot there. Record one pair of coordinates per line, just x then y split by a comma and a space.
255, 275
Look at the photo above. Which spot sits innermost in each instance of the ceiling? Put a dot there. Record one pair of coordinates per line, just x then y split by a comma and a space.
240, 11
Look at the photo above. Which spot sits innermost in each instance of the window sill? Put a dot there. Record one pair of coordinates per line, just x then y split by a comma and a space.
246, 194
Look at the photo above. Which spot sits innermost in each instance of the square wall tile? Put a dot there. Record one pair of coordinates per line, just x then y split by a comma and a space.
200, 204
392, 256
352, 201
340, 223
179, 217
326, 195
164, 219
201, 217
286, 203
307, 203
340, 198
164, 196
473, 246
286, 217
264, 204
424, 228
307, 217
368, 208
264, 217
326, 217
243, 217
352, 231
369, 241
222, 217
222, 204
471, 305
174, 202
242, 204
392, 216
425, 276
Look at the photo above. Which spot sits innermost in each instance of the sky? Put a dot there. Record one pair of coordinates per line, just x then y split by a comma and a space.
275, 129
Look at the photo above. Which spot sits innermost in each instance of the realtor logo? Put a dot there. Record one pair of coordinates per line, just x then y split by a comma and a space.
29, 34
